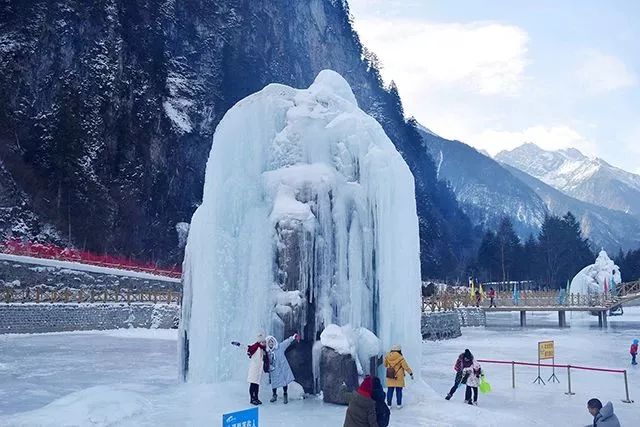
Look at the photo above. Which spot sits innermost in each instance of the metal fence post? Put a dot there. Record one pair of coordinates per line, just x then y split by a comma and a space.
570, 393
513, 374
626, 388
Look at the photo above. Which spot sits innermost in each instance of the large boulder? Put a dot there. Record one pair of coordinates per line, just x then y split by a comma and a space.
338, 376
299, 356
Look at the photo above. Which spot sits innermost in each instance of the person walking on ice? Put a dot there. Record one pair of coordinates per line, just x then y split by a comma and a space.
465, 360
472, 374
258, 363
280, 374
634, 351
397, 368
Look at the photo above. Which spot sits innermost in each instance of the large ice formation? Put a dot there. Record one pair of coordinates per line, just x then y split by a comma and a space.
592, 278
308, 219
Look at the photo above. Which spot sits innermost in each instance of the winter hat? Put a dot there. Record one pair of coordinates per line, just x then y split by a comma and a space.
366, 387
260, 338
467, 354
635, 341
272, 342
396, 347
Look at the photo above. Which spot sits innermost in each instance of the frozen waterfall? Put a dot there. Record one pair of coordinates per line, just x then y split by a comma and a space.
594, 278
308, 219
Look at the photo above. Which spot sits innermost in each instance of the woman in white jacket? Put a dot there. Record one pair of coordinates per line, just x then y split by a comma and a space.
472, 373
257, 353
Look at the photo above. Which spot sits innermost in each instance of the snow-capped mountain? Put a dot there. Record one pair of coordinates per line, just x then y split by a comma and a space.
585, 178
606, 228
485, 190
488, 190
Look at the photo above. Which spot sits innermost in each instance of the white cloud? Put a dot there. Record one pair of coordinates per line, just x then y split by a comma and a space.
547, 137
600, 73
483, 58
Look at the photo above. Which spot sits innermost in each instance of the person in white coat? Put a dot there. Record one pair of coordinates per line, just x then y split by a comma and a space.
472, 373
258, 363
280, 374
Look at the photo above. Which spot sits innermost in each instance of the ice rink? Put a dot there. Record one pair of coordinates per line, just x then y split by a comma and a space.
129, 378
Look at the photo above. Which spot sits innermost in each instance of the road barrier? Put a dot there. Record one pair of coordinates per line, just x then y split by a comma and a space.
569, 368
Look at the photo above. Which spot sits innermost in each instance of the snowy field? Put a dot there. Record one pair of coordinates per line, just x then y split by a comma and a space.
129, 378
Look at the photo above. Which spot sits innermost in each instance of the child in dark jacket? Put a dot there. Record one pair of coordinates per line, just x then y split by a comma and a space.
383, 414
634, 352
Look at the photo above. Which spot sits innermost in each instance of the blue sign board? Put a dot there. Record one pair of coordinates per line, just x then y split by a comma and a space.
246, 418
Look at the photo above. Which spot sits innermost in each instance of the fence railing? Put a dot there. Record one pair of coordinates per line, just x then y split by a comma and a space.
567, 367
71, 295
451, 300
52, 252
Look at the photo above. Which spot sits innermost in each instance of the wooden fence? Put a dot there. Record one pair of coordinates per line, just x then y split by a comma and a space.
96, 296
451, 300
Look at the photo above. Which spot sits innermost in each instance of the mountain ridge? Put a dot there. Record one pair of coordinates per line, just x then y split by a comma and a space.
589, 179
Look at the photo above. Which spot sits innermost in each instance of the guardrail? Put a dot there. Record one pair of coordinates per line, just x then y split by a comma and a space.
70, 295
52, 252
451, 300
568, 367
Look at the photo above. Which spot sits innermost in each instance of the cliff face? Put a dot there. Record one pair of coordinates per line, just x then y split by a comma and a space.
108, 108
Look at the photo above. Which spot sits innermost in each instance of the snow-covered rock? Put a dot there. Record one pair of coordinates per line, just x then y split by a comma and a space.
303, 191
597, 277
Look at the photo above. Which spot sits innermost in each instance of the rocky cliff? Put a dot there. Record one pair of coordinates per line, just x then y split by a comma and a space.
107, 111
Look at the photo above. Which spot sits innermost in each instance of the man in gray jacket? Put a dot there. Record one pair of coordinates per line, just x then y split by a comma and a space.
603, 416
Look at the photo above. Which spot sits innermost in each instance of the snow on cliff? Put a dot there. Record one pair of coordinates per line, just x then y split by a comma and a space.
303, 192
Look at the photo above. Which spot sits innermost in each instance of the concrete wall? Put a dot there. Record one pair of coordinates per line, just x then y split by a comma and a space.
440, 325
472, 317
447, 324
37, 318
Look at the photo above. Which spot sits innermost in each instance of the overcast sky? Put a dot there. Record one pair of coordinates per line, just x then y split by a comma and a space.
497, 73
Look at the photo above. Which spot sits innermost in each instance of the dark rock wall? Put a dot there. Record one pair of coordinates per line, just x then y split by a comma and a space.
107, 111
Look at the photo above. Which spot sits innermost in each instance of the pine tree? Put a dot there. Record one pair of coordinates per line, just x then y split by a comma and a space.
509, 250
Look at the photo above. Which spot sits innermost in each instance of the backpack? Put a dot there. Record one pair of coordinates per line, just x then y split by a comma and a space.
391, 371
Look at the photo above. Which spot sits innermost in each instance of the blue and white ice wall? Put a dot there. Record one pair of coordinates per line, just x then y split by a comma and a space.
308, 218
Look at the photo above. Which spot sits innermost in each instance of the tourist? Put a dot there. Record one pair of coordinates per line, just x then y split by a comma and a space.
280, 374
634, 351
362, 408
603, 416
478, 298
492, 297
472, 374
397, 368
258, 363
383, 414
464, 361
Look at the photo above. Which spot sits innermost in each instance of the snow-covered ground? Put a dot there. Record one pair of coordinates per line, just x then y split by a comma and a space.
129, 378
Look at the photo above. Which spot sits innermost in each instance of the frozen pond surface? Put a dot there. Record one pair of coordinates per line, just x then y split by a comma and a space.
129, 378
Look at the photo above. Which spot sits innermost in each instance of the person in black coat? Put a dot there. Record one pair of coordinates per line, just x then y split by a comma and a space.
383, 414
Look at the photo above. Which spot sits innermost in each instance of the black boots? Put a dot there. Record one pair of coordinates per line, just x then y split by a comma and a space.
285, 399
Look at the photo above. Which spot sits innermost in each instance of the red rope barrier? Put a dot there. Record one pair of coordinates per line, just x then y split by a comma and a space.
547, 365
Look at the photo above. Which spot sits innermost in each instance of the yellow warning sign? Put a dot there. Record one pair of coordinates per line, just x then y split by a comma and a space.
545, 350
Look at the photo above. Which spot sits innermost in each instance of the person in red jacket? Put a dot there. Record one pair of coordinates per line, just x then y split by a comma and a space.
492, 296
634, 352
